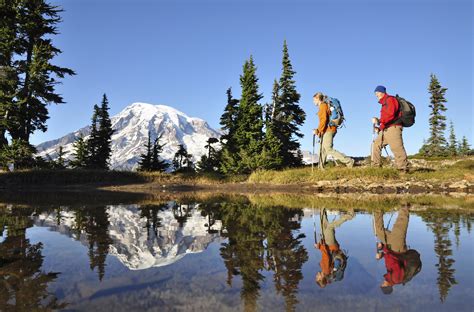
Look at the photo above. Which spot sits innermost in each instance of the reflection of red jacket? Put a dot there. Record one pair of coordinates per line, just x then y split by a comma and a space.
388, 111
395, 266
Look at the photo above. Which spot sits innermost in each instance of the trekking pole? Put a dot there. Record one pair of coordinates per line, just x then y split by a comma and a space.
314, 226
374, 122
375, 235
385, 148
320, 161
312, 155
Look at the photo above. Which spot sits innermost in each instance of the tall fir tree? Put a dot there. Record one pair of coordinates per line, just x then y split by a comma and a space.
101, 136
94, 140
273, 149
144, 164
229, 122
104, 150
436, 144
289, 114
249, 124
452, 145
9, 79
80, 153
35, 24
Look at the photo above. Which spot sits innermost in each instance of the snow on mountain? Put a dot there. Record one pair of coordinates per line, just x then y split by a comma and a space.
131, 128
133, 244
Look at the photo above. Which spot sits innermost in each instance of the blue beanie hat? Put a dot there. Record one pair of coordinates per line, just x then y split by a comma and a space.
380, 89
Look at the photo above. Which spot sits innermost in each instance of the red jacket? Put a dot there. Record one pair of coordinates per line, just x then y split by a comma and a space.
389, 111
395, 267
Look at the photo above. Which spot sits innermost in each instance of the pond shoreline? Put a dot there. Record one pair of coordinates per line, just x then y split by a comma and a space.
435, 177
334, 187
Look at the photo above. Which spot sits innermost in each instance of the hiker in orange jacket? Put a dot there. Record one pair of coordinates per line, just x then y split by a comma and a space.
329, 247
327, 133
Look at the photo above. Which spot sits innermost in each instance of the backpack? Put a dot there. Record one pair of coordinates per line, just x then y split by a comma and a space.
412, 264
337, 115
340, 263
406, 113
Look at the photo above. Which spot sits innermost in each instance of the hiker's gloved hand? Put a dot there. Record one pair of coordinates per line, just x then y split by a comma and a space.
316, 132
377, 130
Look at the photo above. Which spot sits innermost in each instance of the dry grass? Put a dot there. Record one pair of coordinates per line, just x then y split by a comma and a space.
463, 169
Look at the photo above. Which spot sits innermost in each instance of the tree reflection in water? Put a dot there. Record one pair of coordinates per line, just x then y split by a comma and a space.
23, 285
93, 222
263, 239
153, 221
440, 223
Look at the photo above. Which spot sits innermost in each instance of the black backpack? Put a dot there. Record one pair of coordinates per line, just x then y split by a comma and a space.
406, 111
412, 264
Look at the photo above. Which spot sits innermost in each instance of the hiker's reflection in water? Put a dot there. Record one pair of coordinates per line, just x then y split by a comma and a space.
333, 258
401, 263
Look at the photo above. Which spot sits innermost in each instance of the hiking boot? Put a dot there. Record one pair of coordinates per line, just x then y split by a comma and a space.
350, 164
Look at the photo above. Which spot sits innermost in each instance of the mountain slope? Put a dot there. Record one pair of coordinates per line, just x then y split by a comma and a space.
131, 128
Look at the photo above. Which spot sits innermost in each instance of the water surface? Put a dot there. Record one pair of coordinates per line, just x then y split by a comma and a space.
229, 254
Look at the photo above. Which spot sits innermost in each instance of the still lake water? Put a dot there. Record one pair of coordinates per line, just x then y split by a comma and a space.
231, 255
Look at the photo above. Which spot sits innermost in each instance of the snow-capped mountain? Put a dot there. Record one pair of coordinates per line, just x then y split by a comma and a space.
136, 246
131, 128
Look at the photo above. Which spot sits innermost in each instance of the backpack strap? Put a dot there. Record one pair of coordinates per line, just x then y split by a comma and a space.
396, 119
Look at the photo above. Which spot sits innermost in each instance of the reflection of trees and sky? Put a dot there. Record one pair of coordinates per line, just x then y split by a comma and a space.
232, 254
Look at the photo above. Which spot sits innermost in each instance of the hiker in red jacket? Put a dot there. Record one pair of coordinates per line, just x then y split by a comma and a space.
389, 133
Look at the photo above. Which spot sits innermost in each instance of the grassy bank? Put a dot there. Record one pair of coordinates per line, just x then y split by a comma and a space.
437, 171
463, 169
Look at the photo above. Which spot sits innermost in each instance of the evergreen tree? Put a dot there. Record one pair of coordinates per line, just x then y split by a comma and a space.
104, 135
80, 153
229, 122
452, 146
94, 140
209, 162
144, 164
156, 163
34, 26
289, 114
60, 162
271, 157
464, 147
249, 123
273, 150
19, 154
182, 160
8, 75
99, 143
436, 144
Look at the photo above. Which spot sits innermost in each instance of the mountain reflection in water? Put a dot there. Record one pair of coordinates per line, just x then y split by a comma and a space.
244, 256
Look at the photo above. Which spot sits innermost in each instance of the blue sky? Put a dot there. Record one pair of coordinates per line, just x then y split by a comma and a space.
187, 53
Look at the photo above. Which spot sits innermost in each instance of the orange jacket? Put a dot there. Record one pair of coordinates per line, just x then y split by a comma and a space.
327, 265
323, 114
